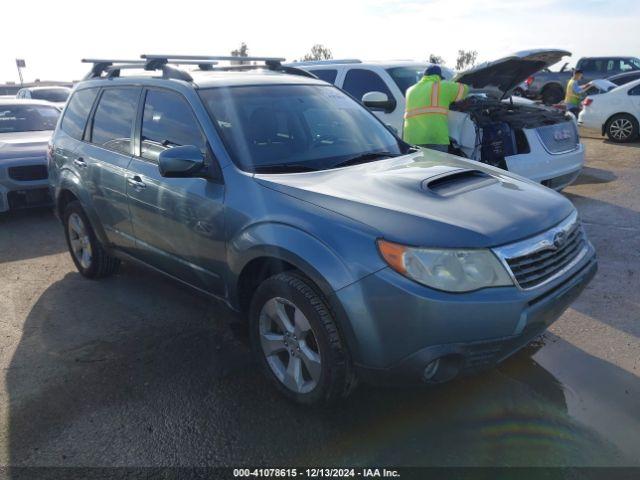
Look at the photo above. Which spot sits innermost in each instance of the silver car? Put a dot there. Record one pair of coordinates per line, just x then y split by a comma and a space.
25, 129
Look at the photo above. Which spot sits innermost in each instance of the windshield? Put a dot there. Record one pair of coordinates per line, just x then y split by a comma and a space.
51, 94
305, 127
406, 77
27, 118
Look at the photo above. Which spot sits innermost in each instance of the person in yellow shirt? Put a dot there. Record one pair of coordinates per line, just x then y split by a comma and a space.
574, 92
427, 106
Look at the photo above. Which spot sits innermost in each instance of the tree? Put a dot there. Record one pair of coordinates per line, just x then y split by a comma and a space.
466, 59
318, 52
437, 59
243, 51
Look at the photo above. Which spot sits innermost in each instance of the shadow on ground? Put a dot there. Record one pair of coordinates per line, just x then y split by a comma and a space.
136, 370
25, 234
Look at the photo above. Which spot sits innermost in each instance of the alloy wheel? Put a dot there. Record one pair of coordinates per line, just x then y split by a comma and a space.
621, 128
289, 345
79, 240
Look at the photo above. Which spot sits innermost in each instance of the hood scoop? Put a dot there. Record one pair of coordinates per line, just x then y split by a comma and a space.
457, 182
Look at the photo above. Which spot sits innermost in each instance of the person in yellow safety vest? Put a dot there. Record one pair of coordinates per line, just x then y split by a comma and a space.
425, 118
574, 91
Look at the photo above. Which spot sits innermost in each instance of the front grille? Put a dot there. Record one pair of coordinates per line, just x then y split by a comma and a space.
538, 260
28, 172
559, 138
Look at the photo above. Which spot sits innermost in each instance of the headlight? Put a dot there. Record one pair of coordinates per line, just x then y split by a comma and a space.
444, 269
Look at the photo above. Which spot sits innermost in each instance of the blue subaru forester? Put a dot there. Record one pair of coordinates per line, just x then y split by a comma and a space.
352, 255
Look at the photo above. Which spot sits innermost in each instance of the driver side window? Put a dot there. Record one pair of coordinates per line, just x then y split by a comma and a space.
168, 122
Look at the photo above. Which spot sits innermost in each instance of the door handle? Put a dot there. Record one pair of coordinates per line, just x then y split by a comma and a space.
79, 162
136, 182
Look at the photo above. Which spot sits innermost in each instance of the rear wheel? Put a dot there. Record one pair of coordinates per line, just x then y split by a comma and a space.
296, 341
622, 128
552, 94
87, 253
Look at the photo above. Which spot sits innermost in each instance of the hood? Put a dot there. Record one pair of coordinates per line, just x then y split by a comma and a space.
24, 144
506, 73
430, 199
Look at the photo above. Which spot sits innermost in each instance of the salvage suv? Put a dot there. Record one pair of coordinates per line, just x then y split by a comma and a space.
352, 255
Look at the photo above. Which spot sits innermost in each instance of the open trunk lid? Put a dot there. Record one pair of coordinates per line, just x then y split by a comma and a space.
506, 73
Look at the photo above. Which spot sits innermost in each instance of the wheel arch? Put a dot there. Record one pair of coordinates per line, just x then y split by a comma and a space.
70, 189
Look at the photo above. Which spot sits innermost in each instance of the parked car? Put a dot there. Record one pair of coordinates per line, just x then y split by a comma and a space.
25, 129
615, 113
352, 255
531, 140
53, 94
550, 86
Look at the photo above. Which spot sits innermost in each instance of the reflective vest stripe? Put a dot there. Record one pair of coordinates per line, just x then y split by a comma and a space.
435, 94
460, 93
425, 111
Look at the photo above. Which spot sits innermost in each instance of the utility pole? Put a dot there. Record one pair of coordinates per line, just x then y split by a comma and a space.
20, 63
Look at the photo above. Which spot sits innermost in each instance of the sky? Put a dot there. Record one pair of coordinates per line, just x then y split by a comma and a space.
53, 35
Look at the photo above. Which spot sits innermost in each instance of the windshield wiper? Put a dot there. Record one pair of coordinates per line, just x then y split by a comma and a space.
364, 158
283, 168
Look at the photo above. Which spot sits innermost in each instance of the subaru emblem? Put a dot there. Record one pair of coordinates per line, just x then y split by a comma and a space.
559, 239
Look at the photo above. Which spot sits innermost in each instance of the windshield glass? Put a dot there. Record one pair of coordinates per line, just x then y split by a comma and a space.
635, 62
308, 127
406, 77
27, 118
51, 94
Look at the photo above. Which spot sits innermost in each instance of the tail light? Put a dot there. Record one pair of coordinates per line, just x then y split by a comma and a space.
529, 81
587, 101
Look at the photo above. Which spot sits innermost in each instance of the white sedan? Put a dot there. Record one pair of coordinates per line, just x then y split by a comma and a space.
615, 113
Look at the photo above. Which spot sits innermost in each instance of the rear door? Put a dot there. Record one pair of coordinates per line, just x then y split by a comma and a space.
106, 156
178, 222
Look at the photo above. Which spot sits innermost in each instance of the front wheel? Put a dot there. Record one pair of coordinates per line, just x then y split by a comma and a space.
622, 128
296, 341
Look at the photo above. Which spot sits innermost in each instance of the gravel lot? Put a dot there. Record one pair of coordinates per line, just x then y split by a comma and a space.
137, 370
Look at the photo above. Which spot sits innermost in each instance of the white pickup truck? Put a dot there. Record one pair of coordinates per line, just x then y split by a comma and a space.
490, 126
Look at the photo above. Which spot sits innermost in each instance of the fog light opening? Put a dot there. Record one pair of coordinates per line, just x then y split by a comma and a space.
431, 370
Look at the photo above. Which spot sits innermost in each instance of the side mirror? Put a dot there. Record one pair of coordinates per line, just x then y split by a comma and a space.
378, 101
184, 161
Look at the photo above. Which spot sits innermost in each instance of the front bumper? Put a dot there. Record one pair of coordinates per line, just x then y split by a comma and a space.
402, 327
22, 191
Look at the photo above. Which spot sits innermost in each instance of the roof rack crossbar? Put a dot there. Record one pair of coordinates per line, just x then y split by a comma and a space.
112, 68
224, 58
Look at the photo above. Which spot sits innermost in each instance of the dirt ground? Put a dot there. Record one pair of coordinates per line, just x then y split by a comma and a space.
136, 370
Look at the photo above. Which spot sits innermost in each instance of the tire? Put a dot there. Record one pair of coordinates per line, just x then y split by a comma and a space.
297, 343
552, 94
622, 128
87, 253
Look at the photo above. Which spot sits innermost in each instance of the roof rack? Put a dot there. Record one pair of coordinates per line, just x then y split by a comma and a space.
271, 63
111, 68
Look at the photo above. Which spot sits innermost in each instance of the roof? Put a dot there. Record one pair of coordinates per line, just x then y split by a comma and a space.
25, 101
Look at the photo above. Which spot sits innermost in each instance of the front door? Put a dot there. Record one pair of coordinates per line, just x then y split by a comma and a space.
178, 222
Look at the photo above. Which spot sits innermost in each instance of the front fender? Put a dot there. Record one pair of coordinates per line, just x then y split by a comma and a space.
314, 258
69, 181
324, 265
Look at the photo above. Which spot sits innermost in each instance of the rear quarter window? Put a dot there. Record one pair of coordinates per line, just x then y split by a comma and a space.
77, 113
